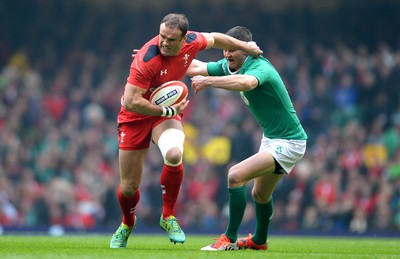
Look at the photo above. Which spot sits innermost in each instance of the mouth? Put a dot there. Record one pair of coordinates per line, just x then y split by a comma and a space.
231, 63
166, 51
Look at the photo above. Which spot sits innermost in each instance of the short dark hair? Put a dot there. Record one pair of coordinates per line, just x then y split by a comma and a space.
240, 33
176, 20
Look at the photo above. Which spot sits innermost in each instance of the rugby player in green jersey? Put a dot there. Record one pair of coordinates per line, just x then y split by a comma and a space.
283, 143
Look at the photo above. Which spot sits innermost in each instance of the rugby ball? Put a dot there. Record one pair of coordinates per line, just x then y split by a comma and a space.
169, 93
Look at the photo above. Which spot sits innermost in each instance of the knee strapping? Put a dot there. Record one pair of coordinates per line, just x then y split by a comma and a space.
171, 138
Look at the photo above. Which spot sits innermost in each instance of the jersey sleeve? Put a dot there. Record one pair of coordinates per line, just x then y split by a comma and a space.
257, 69
140, 77
202, 41
144, 67
216, 68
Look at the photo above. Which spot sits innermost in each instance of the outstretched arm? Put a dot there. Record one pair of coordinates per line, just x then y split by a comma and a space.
197, 67
231, 83
222, 41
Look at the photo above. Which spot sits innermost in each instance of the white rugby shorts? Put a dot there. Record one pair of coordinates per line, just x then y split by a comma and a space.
286, 152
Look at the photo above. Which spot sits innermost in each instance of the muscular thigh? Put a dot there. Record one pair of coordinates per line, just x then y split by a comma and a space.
135, 135
131, 167
261, 168
255, 166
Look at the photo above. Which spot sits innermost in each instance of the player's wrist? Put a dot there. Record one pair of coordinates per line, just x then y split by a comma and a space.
245, 46
168, 112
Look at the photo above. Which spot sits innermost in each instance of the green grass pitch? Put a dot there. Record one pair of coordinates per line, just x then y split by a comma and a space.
158, 246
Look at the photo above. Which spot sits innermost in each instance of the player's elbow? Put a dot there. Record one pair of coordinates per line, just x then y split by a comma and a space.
130, 105
133, 97
249, 83
248, 86
191, 73
197, 67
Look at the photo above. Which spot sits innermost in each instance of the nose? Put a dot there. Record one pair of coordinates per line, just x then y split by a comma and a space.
165, 42
227, 53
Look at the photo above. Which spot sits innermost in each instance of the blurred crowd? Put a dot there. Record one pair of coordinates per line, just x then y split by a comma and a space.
58, 138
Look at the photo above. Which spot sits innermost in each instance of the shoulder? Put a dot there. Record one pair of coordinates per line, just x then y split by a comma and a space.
147, 60
198, 38
259, 68
191, 36
259, 60
150, 53
218, 68
260, 63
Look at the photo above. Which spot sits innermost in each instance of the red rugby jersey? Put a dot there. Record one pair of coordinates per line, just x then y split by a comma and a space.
150, 69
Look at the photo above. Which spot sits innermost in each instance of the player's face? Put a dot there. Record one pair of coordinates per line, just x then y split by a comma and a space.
170, 40
235, 58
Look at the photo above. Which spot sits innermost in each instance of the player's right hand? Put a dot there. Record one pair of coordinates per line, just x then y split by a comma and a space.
181, 106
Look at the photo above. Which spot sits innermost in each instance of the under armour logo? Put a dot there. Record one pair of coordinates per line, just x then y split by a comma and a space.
163, 72
186, 58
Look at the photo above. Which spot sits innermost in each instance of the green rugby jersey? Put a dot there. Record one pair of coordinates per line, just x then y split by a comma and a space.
269, 102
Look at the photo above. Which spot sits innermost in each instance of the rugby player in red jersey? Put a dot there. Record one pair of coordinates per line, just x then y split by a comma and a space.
164, 58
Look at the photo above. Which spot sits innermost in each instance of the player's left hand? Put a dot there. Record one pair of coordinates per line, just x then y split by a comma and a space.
253, 49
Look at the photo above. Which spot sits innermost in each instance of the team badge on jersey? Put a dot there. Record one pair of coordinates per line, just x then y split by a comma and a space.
186, 59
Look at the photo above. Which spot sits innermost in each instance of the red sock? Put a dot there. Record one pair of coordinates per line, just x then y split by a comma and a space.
171, 180
128, 206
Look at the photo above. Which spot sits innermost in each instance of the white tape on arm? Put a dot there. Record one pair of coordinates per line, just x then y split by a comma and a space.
168, 112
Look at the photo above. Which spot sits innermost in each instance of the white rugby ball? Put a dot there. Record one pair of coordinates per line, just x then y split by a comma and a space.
169, 93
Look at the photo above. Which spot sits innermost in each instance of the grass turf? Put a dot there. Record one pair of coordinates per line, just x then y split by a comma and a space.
158, 246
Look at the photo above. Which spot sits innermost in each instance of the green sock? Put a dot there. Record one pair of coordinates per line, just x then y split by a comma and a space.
237, 206
264, 214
